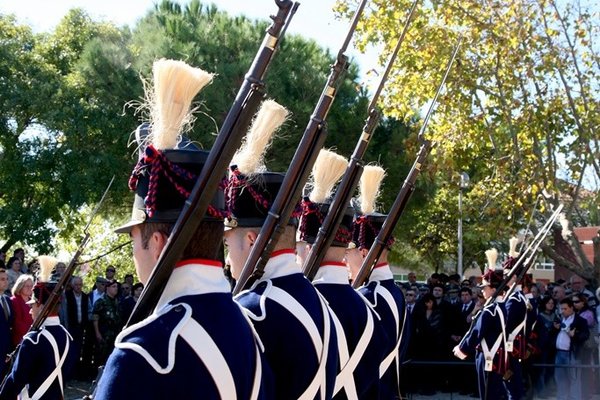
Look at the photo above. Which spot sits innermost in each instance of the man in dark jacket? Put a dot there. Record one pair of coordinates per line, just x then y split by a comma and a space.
572, 333
77, 322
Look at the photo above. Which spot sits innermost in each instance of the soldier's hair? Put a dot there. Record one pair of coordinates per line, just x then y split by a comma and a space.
206, 242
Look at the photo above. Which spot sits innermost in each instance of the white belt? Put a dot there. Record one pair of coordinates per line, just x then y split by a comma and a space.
345, 378
284, 299
57, 373
488, 353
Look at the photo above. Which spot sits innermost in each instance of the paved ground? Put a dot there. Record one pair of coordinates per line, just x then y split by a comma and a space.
77, 389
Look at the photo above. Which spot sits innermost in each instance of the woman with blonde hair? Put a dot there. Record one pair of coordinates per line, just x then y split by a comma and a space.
22, 321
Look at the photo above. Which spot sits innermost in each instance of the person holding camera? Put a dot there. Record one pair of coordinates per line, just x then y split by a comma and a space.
573, 331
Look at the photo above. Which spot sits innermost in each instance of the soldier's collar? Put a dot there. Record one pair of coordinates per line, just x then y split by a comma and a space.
281, 263
381, 273
332, 272
193, 278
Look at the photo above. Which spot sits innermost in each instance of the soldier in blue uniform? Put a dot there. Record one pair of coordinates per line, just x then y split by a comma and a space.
486, 338
361, 340
45, 356
292, 320
197, 343
380, 290
517, 307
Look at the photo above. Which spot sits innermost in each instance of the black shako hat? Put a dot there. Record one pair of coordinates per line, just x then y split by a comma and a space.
248, 199
365, 229
492, 278
313, 215
162, 181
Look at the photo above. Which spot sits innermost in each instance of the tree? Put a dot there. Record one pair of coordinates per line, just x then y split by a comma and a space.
92, 74
519, 112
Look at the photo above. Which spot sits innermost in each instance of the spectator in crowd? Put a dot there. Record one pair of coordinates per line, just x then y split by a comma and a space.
572, 332
77, 303
558, 293
464, 378
106, 319
97, 293
578, 288
124, 291
412, 278
546, 340
465, 283
128, 279
423, 290
13, 271
110, 272
128, 303
6, 319
598, 312
20, 254
453, 294
430, 341
22, 321
580, 303
32, 267
2, 259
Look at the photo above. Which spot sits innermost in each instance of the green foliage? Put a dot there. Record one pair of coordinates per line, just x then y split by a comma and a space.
81, 86
519, 111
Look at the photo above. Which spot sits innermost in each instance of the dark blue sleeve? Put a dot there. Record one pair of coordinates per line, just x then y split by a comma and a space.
21, 370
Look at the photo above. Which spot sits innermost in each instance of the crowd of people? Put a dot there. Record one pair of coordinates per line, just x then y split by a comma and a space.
93, 319
440, 312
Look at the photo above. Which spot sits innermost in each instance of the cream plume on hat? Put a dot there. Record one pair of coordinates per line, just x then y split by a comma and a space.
47, 264
370, 182
175, 86
492, 257
327, 170
512, 247
249, 158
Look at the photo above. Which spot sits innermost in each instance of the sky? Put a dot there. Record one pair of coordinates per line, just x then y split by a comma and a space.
314, 19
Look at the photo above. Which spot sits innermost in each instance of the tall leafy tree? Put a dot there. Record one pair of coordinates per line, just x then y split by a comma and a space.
519, 114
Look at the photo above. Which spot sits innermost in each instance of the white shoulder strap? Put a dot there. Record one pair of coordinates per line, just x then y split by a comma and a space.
57, 373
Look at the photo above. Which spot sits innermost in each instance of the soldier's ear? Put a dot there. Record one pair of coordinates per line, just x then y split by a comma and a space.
251, 236
157, 242
364, 252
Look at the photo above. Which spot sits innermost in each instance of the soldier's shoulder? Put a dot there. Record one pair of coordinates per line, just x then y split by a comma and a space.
154, 337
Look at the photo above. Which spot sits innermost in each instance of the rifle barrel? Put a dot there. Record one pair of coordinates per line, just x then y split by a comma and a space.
312, 141
228, 140
346, 188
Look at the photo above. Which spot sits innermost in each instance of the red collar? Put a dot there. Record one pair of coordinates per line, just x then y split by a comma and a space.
381, 265
282, 251
211, 263
333, 264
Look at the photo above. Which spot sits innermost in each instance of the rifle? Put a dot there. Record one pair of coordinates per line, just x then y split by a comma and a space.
54, 297
312, 141
407, 189
526, 259
353, 172
228, 140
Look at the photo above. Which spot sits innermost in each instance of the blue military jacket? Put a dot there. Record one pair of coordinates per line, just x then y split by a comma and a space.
296, 328
41, 364
488, 337
361, 339
197, 344
388, 301
516, 306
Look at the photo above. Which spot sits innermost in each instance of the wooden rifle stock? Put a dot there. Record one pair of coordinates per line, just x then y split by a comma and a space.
312, 141
227, 142
346, 188
403, 196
